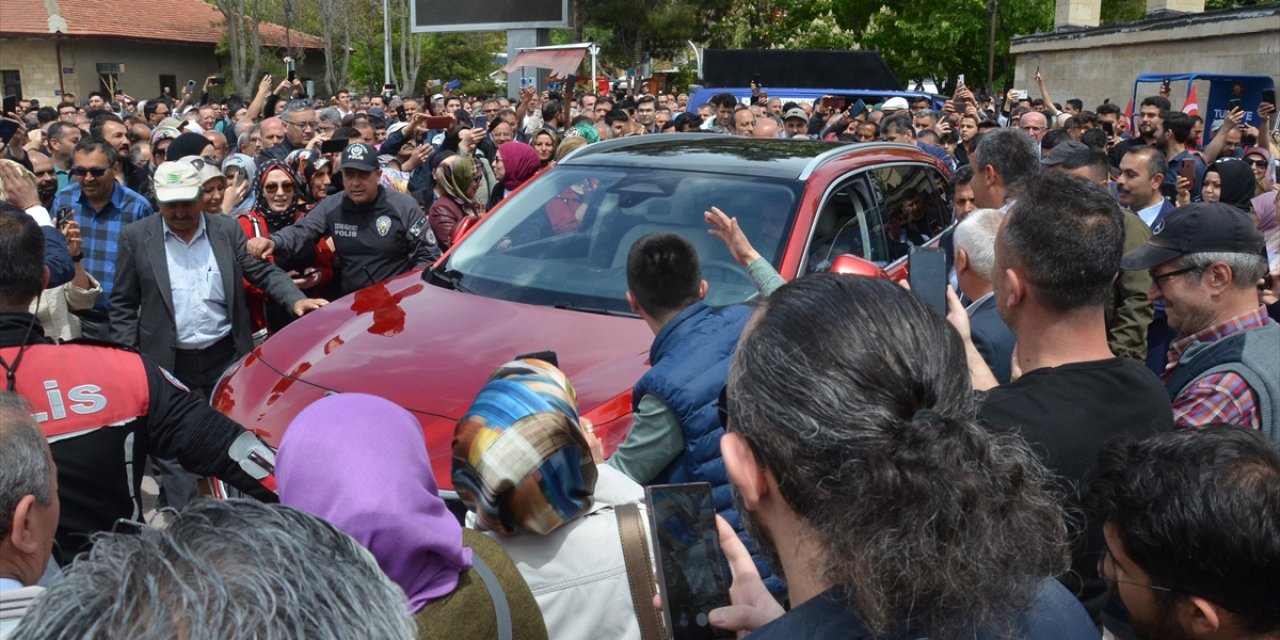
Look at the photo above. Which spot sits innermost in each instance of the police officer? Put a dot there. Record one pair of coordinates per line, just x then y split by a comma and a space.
377, 233
104, 407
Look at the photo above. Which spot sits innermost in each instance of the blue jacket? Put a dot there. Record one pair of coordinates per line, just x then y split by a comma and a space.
690, 363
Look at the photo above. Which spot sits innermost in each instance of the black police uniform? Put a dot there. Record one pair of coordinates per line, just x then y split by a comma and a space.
373, 241
104, 408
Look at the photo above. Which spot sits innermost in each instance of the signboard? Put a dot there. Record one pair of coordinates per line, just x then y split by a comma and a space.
444, 16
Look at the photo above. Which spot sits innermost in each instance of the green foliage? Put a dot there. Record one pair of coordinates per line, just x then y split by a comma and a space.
630, 29
943, 38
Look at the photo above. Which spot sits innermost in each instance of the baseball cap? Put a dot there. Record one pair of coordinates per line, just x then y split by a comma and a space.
360, 156
1062, 152
1199, 227
207, 170
796, 113
177, 182
895, 104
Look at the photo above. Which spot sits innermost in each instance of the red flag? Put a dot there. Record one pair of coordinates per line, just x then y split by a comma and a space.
1128, 114
1192, 105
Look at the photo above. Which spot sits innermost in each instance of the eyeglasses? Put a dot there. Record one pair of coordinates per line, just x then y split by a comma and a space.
1109, 576
96, 172
272, 187
1157, 278
312, 125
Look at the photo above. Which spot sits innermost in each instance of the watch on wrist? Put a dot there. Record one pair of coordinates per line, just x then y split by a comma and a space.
77, 257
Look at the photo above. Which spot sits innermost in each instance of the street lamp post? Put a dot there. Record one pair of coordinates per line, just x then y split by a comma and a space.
386, 44
594, 50
992, 8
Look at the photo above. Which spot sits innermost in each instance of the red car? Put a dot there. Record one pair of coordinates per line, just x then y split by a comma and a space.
545, 271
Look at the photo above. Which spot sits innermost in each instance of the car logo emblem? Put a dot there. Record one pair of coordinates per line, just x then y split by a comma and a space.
383, 225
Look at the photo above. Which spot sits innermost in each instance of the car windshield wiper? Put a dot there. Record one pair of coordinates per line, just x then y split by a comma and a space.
596, 310
450, 279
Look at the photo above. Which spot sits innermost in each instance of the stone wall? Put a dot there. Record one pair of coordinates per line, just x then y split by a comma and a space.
1093, 64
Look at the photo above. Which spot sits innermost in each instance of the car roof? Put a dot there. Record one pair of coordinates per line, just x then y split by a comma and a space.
719, 153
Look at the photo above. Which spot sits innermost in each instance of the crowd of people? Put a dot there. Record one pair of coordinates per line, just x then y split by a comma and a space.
1087, 443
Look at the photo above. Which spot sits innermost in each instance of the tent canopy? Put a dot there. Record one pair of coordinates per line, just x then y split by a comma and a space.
562, 60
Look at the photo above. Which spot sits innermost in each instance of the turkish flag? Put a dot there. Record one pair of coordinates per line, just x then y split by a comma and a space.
1192, 106
1128, 113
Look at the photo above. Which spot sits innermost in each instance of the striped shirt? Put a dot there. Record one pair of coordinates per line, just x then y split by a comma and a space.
1222, 397
100, 230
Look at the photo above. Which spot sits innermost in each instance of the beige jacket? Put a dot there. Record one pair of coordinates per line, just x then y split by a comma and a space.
56, 305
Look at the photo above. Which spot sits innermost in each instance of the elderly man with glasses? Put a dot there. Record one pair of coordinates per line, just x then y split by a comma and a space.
1206, 260
301, 125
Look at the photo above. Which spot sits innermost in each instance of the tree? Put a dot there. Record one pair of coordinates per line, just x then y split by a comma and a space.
941, 39
243, 42
335, 31
650, 28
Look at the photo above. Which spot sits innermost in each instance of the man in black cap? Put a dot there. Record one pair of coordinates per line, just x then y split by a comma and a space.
1206, 260
377, 232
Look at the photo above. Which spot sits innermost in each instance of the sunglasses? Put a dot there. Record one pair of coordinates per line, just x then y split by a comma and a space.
272, 187
1256, 163
96, 172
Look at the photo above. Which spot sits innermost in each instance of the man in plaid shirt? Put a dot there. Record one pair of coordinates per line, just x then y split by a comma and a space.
1206, 261
102, 207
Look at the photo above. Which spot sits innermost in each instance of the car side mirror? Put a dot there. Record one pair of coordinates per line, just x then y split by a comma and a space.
464, 227
855, 266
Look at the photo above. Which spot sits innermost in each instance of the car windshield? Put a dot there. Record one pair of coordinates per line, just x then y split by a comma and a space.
564, 240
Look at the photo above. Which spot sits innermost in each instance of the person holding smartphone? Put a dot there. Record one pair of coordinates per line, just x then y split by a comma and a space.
838, 462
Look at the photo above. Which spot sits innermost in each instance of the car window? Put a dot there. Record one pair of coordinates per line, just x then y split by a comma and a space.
913, 206
848, 222
564, 239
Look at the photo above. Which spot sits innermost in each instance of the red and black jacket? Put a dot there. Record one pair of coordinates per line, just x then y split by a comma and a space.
104, 408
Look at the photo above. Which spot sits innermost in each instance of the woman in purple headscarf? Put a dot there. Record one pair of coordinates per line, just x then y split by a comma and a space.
360, 462
519, 162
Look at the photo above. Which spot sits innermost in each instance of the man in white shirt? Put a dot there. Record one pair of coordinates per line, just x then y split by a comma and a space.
1142, 171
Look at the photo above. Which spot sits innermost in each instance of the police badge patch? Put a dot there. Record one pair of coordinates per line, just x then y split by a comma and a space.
383, 225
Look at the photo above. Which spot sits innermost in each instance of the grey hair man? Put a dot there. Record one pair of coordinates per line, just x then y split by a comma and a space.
301, 125
330, 119
1206, 261
233, 569
839, 445
29, 508
1002, 159
975, 260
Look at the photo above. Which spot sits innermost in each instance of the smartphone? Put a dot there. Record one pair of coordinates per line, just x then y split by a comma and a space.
1188, 169
480, 122
524, 83
389, 87
1164, 86
125, 526
1268, 96
64, 215
8, 127
1108, 126
960, 80
927, 274
1022, 94
438, 122
217, 81
1233, 103
293, 73
11, 104
334, 146
400, 114
691, 567
191, 86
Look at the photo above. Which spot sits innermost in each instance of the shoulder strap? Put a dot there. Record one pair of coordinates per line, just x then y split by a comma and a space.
500, 606
635, 555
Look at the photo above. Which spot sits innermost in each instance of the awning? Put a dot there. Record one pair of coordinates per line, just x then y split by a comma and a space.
562, 60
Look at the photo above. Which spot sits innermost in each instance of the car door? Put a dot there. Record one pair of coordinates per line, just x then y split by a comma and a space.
848, 222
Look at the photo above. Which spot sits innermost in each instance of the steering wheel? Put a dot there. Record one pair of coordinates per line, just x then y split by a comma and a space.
732, 268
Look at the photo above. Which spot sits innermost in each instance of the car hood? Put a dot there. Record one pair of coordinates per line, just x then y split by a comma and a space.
430, 349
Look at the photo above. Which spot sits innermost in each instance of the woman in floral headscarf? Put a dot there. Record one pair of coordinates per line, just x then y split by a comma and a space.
457, 181
278, 204
313, 172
